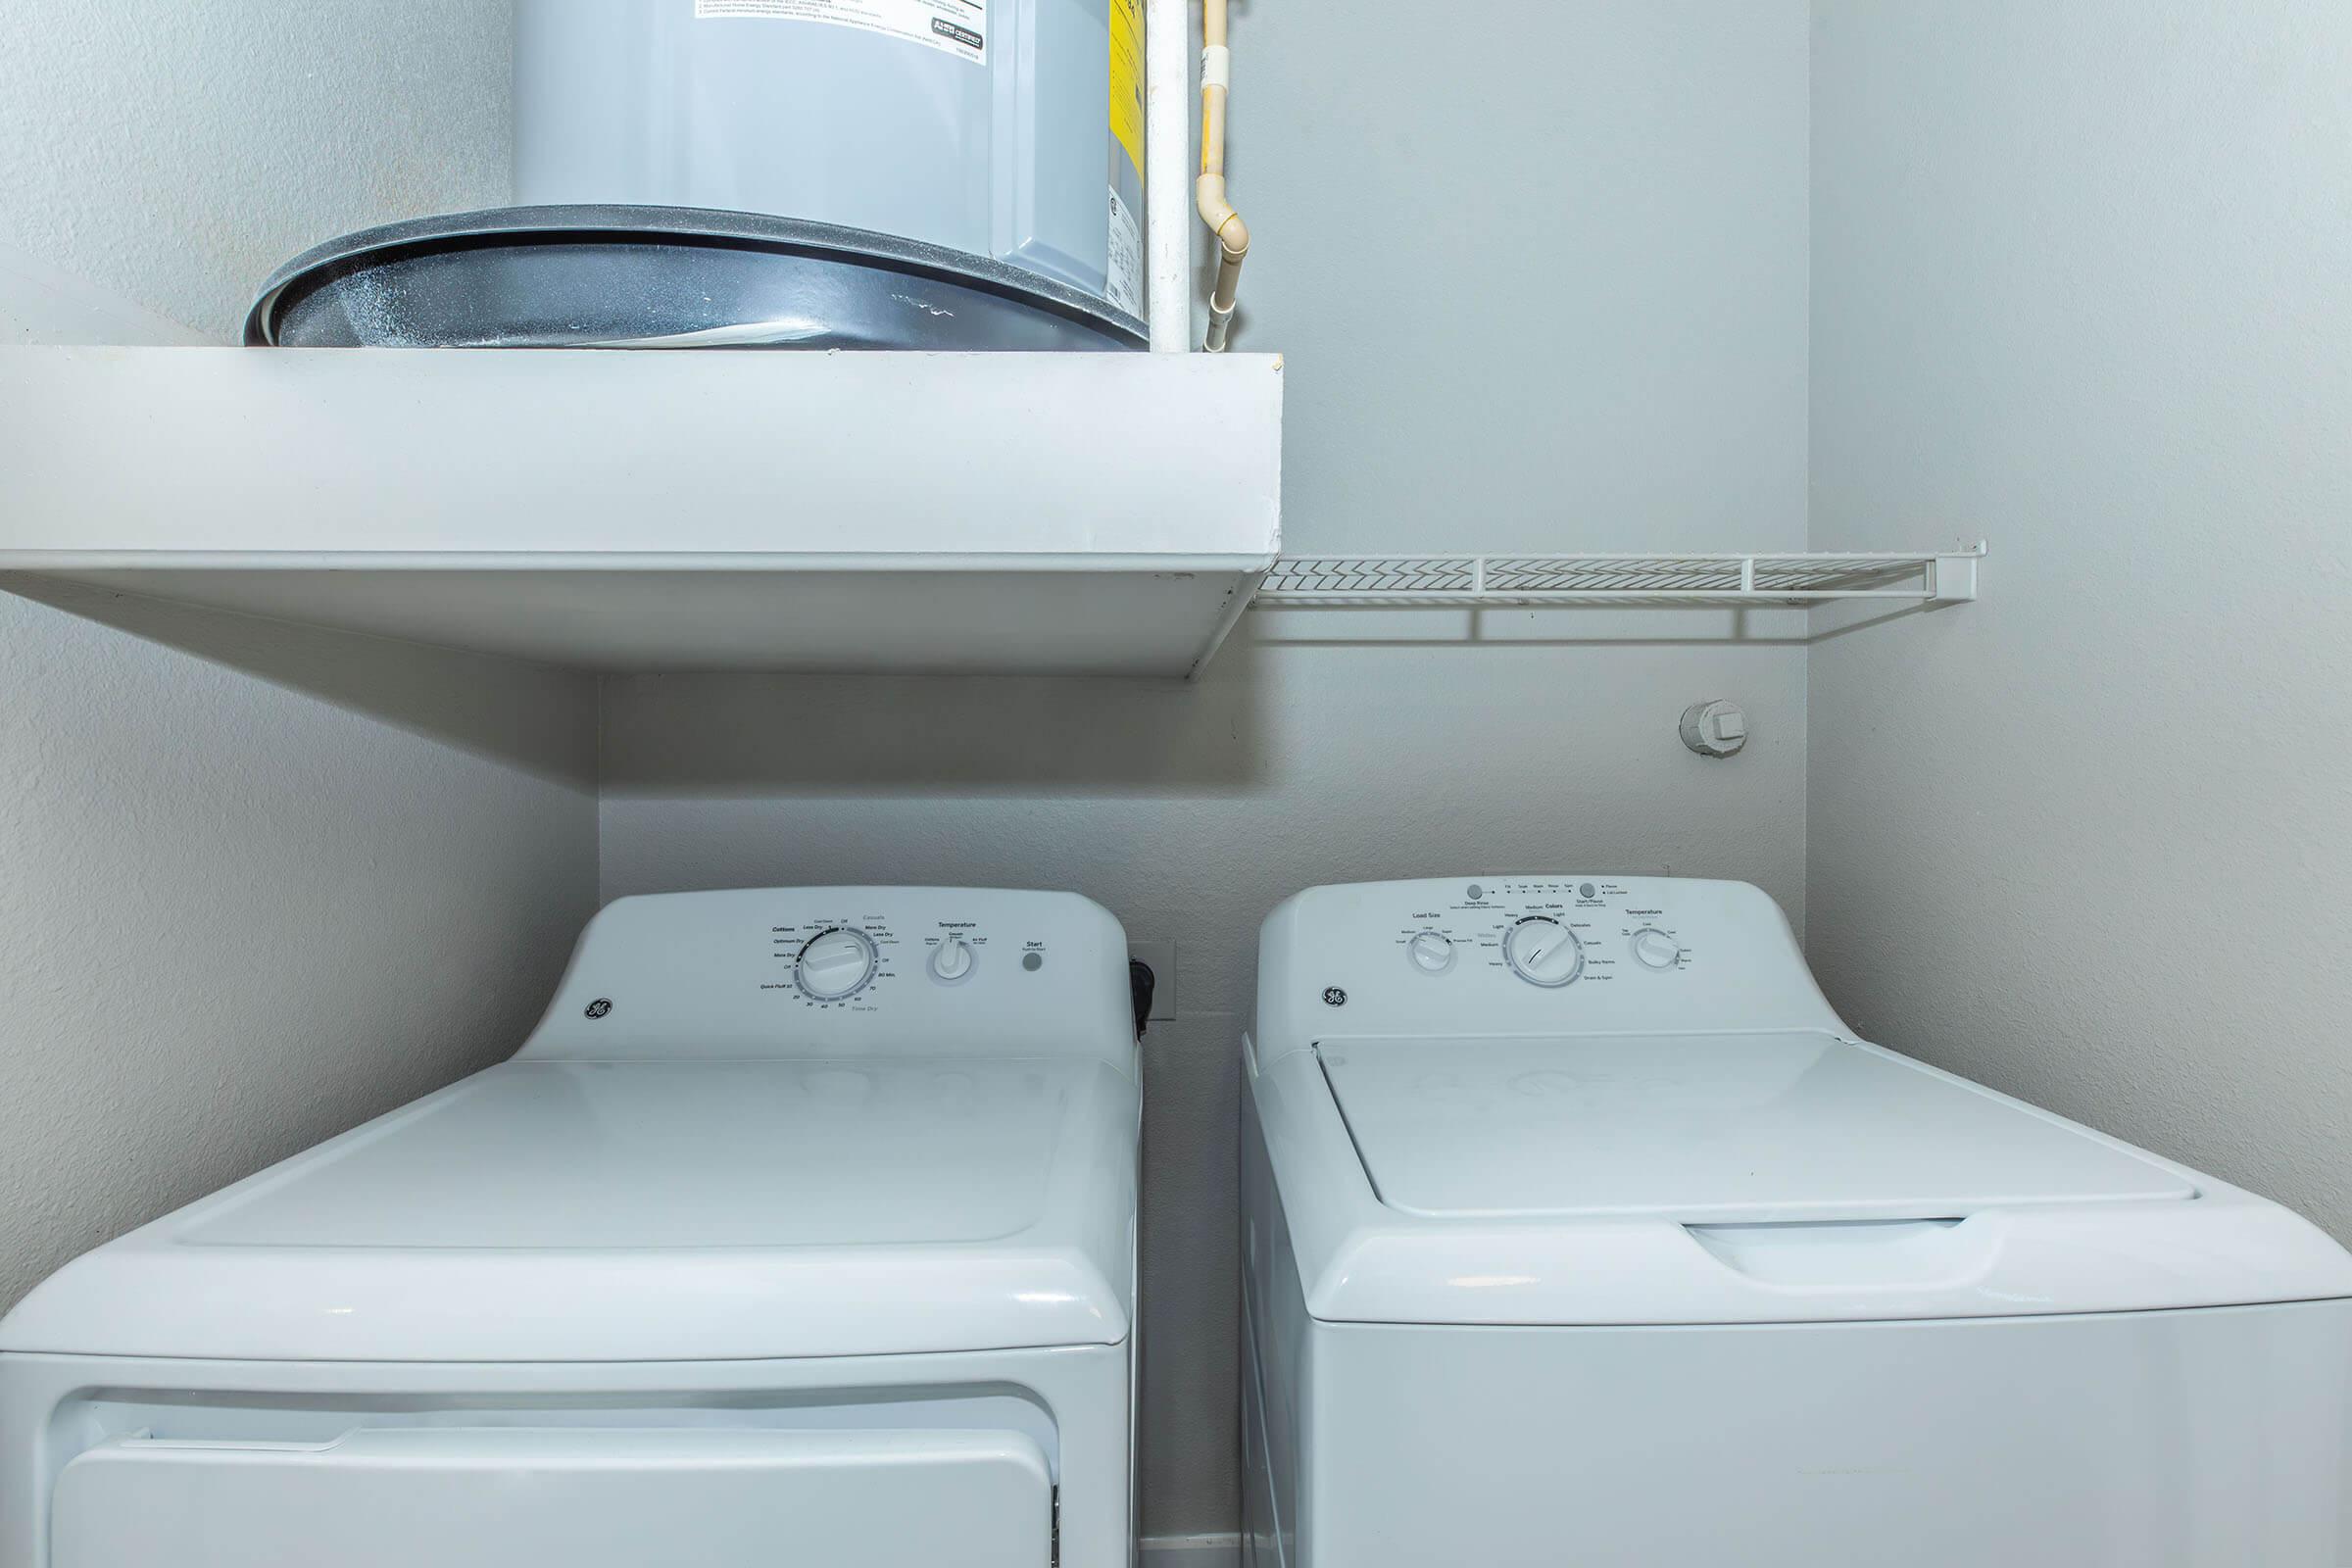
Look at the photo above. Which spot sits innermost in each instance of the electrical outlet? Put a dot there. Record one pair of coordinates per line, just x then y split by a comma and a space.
1160, 958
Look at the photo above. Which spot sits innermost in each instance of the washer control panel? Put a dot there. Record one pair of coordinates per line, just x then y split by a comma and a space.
800, 972
1505, 955
1546, 933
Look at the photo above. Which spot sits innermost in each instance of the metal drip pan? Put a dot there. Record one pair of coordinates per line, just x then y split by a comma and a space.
654, 278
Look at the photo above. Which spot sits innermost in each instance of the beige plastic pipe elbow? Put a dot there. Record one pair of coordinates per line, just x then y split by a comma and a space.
1216, 207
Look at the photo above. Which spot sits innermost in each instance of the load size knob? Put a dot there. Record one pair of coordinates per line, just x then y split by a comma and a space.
836, 964
1544, 953
1431, 952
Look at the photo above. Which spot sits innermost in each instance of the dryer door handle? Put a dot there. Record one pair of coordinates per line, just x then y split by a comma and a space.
594, 1498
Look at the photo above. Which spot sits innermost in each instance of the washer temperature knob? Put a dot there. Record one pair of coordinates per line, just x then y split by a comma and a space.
836, 964
1544, 953
1431, 952
1655, 949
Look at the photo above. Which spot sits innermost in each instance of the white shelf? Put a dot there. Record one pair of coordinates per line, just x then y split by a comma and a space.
1378, 582
1043, 514
1023, 514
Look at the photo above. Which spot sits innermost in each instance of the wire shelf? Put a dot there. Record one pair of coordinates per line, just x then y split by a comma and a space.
1344, 582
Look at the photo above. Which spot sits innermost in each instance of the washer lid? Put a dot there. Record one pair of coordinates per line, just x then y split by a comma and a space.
704, 1211
1705, 1129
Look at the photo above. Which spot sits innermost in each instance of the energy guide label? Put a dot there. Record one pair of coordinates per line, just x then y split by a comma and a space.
959, 26
1125, 284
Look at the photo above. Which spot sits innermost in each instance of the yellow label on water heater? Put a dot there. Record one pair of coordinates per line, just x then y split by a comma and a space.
1127, 78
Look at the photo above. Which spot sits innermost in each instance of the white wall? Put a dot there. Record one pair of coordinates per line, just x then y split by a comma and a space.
2084, 284
176, 154
1591, 334
261, 885
258, 882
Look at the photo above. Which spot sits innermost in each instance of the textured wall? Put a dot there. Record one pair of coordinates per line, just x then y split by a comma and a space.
258, 882
261, 884
2084, 284
1584, 329
175, 153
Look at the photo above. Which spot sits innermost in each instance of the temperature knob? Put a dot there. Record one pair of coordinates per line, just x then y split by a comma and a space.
1544, 953
836, 964
952, 960
1655, 949
1431, 952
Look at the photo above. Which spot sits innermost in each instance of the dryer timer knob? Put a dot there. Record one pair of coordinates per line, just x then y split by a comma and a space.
836, 964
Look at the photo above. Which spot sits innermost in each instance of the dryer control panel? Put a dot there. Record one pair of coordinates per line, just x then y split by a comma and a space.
845, 972
1530, 954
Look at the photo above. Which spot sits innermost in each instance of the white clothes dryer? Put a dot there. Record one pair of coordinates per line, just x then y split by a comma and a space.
802, 1230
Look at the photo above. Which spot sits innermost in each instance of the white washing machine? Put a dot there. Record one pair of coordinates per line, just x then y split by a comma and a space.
802, 1230
1580, 1230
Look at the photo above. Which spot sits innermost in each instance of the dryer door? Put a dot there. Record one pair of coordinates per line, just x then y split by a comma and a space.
491, 1498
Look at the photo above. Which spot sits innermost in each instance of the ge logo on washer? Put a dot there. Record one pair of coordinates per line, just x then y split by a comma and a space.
1334, 996
600, 1006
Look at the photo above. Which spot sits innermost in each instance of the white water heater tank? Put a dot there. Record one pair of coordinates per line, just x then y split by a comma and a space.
1003, 128
816, 173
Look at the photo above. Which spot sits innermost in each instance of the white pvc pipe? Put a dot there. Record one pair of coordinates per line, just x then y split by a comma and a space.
1168, 172
1216, 207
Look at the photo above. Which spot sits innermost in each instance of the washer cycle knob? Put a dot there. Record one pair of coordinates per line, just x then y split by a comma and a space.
1544, 953
836, 964
1655, 949
952, 959
1431, 952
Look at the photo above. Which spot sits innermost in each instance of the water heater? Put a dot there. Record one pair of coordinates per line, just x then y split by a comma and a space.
824, 173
